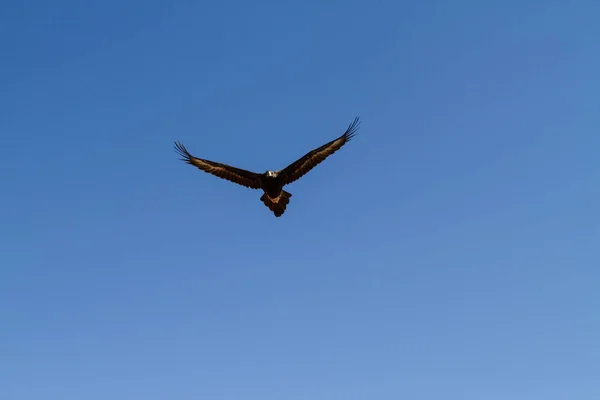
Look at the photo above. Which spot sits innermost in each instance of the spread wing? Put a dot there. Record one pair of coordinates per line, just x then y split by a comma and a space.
314, 157
223, 171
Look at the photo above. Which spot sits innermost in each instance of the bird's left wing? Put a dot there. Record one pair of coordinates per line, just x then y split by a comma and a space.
314, 157
236, 175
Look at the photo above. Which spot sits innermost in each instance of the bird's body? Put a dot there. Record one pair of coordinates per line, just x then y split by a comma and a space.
271, 182
274, 197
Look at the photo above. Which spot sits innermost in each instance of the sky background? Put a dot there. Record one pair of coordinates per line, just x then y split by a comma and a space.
450, 251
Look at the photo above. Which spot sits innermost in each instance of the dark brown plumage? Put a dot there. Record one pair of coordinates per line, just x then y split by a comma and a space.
272, 182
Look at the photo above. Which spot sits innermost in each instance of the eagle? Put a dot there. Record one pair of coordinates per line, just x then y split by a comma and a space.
271, 182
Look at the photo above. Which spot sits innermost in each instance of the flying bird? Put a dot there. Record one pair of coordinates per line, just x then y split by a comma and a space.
271, 182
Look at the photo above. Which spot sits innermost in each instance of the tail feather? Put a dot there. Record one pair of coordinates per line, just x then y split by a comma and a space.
278, 204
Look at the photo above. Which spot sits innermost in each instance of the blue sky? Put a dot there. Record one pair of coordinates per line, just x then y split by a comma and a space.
450, 251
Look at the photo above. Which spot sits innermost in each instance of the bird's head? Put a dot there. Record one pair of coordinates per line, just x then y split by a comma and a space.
271, 174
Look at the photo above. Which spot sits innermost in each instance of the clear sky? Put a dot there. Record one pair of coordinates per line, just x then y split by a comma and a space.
450, 251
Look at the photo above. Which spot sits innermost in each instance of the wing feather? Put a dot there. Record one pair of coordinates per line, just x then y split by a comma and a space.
300, 167
236, 175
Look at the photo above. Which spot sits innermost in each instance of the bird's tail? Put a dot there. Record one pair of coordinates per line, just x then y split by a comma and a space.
278, 204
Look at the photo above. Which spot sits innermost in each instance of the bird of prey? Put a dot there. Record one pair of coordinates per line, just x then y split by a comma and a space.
271, 182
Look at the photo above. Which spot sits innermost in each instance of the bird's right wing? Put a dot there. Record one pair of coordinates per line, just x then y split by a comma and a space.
314, 157
223, 171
